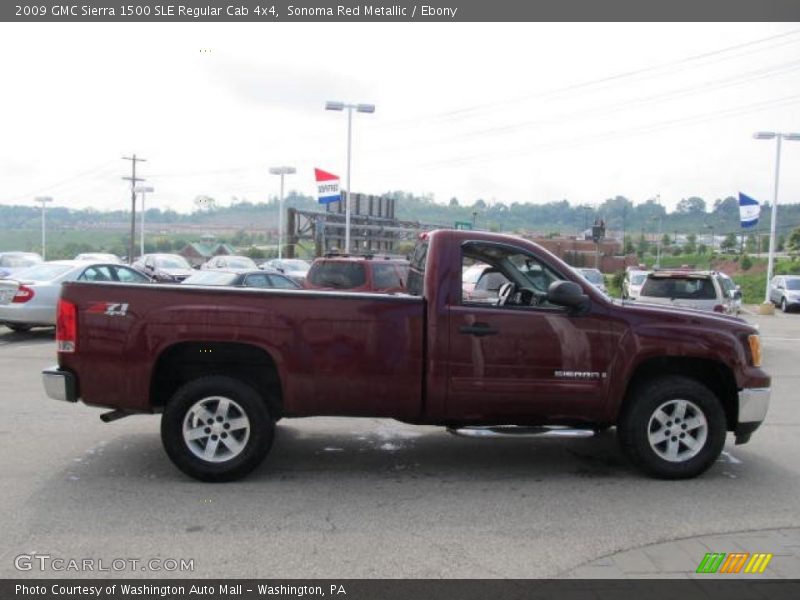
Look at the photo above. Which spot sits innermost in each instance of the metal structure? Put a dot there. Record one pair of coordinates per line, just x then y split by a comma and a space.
44, 201
143, 190
362, 108
282, 171
778, 136
374, 227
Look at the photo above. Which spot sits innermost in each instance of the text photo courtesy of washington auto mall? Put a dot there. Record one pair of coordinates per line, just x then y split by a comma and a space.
399, 303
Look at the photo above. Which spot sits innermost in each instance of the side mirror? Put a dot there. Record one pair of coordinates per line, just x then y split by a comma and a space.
569, 294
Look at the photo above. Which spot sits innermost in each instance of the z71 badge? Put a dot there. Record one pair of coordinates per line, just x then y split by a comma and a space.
112, 309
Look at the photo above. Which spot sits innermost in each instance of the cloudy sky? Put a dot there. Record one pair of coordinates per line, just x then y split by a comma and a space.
519, 112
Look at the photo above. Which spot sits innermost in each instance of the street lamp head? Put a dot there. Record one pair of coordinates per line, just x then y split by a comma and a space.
282, 170
43, 199
144, 189
365, 108
794, 137
765, 135
330, 105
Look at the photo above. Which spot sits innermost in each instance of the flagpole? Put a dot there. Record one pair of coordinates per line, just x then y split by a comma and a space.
773, 221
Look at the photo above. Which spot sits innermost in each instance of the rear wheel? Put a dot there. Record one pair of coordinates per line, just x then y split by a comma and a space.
217, 429
673, 428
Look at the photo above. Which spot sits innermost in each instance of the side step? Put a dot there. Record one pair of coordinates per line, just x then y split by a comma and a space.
517, 431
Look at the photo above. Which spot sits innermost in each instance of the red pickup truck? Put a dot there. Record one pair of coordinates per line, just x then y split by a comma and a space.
223, 365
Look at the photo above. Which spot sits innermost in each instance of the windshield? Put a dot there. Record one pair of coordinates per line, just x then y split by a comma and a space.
19, 261
593, 275
638, 279
211, 278
793, 284
172, 262
337, 274
44, 272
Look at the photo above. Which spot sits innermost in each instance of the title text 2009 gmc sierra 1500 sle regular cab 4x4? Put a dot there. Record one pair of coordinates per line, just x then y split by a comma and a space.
224, 364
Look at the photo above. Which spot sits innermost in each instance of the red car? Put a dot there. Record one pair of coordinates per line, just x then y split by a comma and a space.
357, 274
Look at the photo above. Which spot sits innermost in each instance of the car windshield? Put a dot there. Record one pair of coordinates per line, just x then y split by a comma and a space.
337, 274
682, 288
211, 278
241, 262
793, 284
638, 278
726, 283
43, 272
593, 275
172, 262
19, 261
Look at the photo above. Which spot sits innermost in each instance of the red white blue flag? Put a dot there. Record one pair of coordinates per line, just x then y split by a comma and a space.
327, 186
749, 210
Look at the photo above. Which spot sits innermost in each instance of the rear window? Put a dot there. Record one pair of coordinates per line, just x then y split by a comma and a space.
683, 288
341, 275
385, 276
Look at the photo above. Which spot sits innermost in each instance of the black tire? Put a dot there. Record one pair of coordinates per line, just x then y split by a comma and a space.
638, 422
254, 442
18, 327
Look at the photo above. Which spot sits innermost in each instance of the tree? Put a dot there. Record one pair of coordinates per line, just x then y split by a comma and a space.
691, 244
691, 206
729, 243
665, 241
628, 247
750, 243
454, 202
781, 243
793, 243
643, 245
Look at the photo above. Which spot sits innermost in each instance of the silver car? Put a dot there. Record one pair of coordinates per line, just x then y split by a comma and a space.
230, 261
100, 257
30, 299
294, 268
784, 291
595, 277
632, 284
701, 290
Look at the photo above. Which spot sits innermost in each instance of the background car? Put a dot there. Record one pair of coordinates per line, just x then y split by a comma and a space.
632, 283
357, 274
784, 291
700, 290
470, 276
257, 278
30, 299
99, 257
733, 290
164, 268
230, 261
12, 262
295, 268
595, 277
487, 287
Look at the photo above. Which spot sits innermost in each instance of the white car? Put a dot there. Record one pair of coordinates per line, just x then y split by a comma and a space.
100, 257
30, 299
12, 262
294, 268
701, 290
632, 284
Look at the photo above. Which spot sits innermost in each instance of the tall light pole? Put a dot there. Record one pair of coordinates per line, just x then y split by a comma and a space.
282, 171
776, 135
143, 190
362, 108
44, 201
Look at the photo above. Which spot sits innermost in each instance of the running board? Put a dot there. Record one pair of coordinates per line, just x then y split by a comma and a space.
516, 431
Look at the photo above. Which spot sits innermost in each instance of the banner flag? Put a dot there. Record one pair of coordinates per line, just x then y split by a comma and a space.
749, 210
327, 186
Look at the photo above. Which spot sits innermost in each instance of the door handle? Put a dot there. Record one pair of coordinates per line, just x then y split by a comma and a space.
479, 329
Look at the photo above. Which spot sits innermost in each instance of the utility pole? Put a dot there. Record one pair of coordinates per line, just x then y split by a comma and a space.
44, 200
133, 179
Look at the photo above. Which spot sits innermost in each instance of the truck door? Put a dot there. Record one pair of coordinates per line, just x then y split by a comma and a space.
525, 359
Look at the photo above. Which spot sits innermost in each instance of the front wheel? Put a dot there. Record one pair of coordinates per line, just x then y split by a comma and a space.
673, 428
217, 429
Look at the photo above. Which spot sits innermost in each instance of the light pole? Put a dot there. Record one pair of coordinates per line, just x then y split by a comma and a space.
44, 200
362, 108
143, 190
777, 135
282, 171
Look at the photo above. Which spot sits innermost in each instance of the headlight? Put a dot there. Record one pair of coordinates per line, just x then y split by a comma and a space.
755, 349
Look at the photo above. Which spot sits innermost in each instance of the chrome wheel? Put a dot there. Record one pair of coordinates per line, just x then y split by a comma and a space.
216, 429
677, 430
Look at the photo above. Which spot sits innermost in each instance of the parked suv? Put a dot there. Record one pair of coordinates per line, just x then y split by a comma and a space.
357, 273
784, 291
702, 290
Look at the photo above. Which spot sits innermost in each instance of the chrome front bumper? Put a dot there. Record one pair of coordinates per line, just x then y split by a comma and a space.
59, 385
753, 405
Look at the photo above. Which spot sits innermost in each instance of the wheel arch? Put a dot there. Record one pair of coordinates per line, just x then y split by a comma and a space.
186, 361
716, 376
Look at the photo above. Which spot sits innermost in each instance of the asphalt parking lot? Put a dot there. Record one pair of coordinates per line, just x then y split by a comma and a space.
375, 498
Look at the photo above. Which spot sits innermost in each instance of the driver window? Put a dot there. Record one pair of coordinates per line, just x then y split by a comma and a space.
487, 268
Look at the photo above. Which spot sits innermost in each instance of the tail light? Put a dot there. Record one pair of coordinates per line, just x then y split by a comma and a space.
719, 308
66, 326
24, 293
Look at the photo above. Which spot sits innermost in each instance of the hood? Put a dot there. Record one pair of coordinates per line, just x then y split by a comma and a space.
654, 310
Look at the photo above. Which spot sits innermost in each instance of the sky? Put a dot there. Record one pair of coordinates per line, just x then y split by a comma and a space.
506, 112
